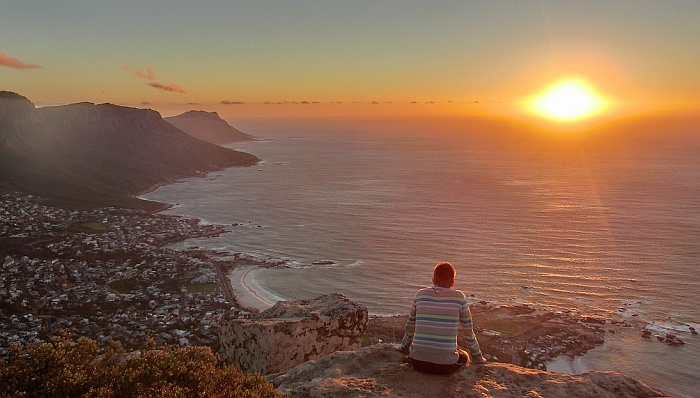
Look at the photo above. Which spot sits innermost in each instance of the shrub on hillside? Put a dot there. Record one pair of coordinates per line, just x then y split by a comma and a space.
86, 368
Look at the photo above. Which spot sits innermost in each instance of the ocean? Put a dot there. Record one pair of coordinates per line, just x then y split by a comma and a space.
606, 223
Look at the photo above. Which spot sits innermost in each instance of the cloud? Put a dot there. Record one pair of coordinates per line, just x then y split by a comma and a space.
150, 74
173, 88
15, 63
227, 102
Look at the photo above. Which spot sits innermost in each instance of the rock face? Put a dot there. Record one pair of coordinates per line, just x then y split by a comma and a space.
293, 332
98, 155
208, 126
381, 370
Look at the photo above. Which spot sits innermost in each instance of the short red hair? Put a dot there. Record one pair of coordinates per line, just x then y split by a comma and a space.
444, 274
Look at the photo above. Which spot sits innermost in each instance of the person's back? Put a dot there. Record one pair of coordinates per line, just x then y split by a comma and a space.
433, 326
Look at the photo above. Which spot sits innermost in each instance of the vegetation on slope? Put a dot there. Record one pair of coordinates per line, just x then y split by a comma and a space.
86, 368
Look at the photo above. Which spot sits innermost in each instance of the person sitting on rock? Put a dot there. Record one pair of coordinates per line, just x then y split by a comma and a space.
433, 325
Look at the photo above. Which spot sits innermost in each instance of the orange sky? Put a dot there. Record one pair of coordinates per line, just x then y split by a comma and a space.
305, 58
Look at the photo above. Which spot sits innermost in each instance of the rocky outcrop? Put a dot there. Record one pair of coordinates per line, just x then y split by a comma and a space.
208, 126
381, 370
293, 332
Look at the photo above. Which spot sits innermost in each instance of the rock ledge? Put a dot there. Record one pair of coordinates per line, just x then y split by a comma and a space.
292, 332
381, 370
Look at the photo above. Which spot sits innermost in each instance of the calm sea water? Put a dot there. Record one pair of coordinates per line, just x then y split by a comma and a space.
367, 210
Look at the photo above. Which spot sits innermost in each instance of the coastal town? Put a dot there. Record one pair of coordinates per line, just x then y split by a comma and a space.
106, 274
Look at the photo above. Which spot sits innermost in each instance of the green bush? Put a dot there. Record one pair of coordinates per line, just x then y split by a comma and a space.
86, 368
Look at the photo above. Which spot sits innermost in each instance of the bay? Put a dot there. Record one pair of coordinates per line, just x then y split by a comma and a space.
606, 225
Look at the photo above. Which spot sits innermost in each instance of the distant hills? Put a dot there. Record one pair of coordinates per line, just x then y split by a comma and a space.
208, 126
88, 155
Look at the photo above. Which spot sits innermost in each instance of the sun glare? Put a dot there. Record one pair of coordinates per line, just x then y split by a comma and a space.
568, 101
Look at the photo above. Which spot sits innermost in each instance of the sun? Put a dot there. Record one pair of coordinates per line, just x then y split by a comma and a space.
568, 101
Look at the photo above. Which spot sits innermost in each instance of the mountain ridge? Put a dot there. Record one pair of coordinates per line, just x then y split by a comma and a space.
89, 155
208, 126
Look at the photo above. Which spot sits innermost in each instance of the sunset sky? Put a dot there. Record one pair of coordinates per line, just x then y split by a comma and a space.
349, 57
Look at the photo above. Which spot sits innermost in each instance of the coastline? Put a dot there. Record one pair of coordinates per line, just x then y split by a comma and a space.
162, 206
249, 293
521, 334
554, 340
562, 364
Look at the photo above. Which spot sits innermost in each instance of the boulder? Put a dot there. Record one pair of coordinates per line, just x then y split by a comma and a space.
293, 332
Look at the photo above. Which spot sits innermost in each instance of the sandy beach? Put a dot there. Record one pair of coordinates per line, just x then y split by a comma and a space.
249, 293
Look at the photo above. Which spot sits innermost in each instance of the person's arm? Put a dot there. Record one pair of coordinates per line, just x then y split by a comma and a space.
410, 329
465, 319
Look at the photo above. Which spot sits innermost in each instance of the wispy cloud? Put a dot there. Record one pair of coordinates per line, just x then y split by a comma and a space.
171, 87
227, 102
10, 62
150, 74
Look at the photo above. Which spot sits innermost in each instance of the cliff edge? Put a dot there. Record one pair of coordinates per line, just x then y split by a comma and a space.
382, 370
311, 348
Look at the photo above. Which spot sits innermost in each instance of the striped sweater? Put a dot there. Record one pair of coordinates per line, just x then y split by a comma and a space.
433, 325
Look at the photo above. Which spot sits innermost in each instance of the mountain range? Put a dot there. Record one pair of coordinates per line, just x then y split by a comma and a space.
88, 155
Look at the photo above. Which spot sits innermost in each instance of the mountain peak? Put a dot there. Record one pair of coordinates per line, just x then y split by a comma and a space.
208, 126
12, 104
12, 95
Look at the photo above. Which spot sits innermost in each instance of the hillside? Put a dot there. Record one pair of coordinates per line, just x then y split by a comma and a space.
208, 126
88, 155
